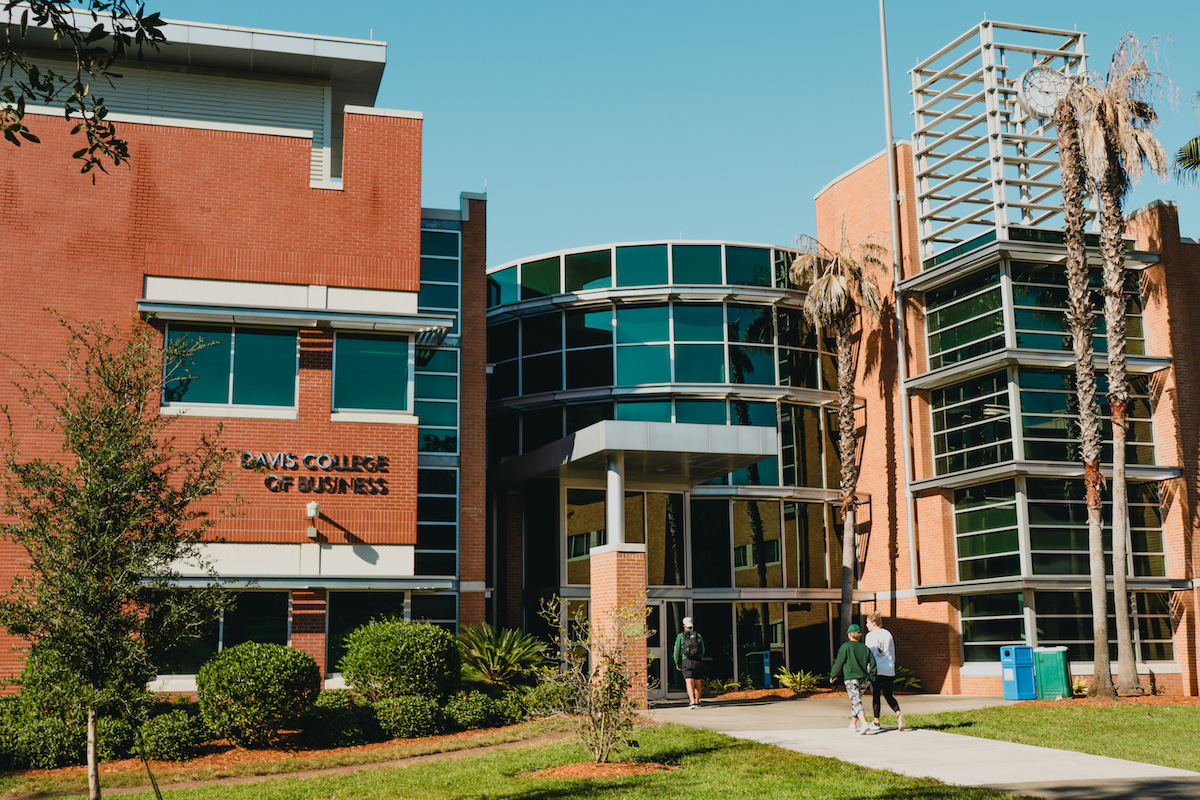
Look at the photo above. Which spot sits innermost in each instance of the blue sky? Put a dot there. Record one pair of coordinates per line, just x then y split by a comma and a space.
623, 121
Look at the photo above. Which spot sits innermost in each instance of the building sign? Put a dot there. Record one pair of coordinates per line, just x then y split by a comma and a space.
323, 466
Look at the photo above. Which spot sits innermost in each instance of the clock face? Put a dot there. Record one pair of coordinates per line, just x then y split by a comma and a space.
1040, 88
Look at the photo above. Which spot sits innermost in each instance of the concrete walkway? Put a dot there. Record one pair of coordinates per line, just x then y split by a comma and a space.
818, 725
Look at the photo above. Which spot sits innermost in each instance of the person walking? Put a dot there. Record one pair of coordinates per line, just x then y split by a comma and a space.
689, 652
855, 665
883, 647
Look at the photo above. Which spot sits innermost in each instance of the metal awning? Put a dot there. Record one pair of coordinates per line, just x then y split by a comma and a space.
666, 453
433, 325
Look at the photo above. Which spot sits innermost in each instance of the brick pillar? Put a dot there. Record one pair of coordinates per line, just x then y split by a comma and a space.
308, 624
619, 598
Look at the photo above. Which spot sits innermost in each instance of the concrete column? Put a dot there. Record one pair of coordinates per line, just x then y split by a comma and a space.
614, 498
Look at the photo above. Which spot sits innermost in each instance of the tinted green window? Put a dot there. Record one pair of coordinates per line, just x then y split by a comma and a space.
800, 429
434, 606
541, 334
439, 269
444, 387
653, 411
992, 605
712, 559
748, 266
502, 341
441, 414
256, 617
435, 563
764, 473
751, 364
264, 367
541, 374
698, 264
638, 324
437, 537
750, 325
984, 494
646, 364
589, 368
437, 481
798, 368
700, 363
644, 265
704, 412
581, 415
439, 243
985, 544
437, 295
745, 413
503, 380
502, 287
437, 509
589, 270
699, 323
370, 372
795, 330
540, 278
438, 360
202, 376
589, 328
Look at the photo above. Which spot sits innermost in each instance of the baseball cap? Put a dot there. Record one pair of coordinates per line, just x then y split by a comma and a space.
851, 629
687, 622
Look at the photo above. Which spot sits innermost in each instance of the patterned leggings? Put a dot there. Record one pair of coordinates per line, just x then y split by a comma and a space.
854, 689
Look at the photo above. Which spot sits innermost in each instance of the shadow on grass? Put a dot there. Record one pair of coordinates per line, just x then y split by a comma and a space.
945, 726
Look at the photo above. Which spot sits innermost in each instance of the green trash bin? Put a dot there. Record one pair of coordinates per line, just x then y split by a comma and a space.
1051, 673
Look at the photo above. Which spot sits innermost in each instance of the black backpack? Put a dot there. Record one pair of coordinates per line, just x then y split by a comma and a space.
691, 644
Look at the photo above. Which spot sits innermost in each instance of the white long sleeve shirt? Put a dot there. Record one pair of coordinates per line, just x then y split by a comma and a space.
884, 647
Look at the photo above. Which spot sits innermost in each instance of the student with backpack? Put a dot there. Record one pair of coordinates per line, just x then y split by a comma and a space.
689, 652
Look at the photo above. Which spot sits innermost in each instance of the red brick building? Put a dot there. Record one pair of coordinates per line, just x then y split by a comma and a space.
271, 209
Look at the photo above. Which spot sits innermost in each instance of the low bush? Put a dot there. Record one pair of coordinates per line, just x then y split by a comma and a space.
174, 736
251, 691
115, 738
409, 717
395, 658
340, 718
474, 709
800, 681
549, 698
49, 742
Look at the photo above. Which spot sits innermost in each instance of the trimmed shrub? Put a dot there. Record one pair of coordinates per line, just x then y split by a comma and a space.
49, 743
394, 658
251, 691
550, 697
174, 736
115, 738
340, 718
473, 709
408, 717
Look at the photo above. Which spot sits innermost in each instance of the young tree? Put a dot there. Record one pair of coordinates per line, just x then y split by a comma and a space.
1080, 324
1116, 121
117, 30
1186, 165
839, 288
105, 519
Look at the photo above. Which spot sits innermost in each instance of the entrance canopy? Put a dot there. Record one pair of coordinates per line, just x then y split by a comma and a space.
676, 453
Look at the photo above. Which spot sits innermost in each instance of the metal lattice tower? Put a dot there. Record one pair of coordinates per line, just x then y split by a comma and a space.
982, 164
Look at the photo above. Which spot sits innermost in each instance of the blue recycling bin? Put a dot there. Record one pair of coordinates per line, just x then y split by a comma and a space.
1016, 665
761, 665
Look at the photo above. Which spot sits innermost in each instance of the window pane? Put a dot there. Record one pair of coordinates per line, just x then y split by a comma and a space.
437, 481
256, 617
748, 266
639, 324
437, 295
503, 381
644, 364
757, 551
437, 537
581, 415
653, 411
541, 374
585, 530
540, 278
700, 363
264, 367
698, 264
699, 324
437, 441
711, 558
435, 563
645, 265
438, 360
589, 368
541, 334
540, 426
589, 271
370, 372
437, 386
752, 364
439, 269
439, 243
665, 563
704, 412
440, 414
750, 324
434, 606
203, 376
502, 341
589, 328
502, 287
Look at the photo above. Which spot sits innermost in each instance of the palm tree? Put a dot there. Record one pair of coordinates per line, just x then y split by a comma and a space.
1116, 121
839, 288
1079, 322
1187, 161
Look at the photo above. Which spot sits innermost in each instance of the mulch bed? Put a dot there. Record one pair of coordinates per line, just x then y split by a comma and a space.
613, 769
1137, 700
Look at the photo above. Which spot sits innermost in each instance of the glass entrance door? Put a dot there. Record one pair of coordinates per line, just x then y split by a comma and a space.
664, 618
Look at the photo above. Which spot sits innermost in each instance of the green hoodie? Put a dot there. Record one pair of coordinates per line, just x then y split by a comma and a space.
855, 661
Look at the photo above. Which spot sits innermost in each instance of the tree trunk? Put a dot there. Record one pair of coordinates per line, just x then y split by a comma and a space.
1112, 225
93, 763
1079, 322
848, 453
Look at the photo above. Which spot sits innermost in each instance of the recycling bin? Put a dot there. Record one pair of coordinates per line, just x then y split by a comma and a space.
1016, 665
1051, 673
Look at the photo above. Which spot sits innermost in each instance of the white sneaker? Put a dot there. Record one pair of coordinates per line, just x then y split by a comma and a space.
862, 730
853, 725
693, 705
874, 726
900, 722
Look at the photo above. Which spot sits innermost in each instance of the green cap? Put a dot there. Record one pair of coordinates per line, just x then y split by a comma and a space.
853, 629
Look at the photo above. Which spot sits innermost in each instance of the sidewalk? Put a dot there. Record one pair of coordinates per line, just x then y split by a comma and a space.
818, 725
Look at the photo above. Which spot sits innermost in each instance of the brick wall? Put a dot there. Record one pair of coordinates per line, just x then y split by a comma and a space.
472, 531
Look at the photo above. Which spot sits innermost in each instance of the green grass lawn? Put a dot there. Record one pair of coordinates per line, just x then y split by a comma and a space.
1165, 735
710, 765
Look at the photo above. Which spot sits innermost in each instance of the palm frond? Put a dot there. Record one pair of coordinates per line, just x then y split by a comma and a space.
1187, 163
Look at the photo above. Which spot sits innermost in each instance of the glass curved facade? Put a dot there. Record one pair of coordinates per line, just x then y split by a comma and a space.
677, 332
